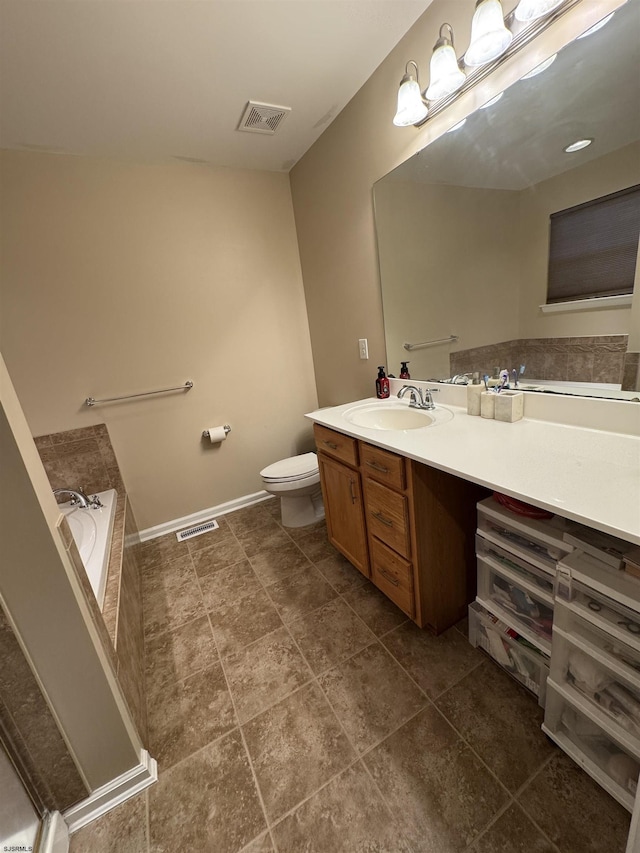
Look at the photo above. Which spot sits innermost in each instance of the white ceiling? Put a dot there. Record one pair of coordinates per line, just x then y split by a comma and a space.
156, 79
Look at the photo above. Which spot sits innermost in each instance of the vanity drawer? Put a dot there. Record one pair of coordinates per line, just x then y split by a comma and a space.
388, 468
392, 575
336, 444
527, 665
387, 516
538, 542
609, 762
517, 600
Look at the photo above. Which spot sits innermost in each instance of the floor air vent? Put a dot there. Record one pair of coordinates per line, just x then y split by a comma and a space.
262, 118
198, 530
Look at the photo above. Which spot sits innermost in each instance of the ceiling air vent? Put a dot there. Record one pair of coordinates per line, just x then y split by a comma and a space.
262, 118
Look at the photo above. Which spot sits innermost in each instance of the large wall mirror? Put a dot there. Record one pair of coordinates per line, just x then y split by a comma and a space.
463, 227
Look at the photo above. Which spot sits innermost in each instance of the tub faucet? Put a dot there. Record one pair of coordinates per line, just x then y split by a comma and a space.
417, 401
78, 498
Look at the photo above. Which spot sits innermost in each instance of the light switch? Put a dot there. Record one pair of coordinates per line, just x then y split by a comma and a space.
363, 346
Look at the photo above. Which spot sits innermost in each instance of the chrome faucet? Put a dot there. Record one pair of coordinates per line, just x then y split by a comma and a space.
78, 498
417, 401
461, 379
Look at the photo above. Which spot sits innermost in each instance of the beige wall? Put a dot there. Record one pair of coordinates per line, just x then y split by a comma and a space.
49, 611
120, 278
594, 179
332, 193
431, 287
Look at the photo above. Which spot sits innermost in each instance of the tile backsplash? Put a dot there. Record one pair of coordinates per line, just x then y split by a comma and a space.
80, 458
597, 358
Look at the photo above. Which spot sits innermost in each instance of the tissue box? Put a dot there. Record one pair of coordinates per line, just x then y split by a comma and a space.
509, 406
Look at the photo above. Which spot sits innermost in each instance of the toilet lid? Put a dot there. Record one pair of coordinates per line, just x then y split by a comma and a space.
293, 468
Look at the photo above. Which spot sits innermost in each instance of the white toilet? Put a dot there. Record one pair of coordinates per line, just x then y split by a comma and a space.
296, 481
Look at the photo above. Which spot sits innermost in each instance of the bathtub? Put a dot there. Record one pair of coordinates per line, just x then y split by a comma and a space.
91, 530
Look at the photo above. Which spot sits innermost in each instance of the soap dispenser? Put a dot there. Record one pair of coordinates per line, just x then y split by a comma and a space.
404, 370
382, 384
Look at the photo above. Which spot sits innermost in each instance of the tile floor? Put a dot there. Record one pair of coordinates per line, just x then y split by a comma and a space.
293, 708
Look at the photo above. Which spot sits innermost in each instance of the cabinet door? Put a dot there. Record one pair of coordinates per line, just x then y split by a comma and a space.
344, 511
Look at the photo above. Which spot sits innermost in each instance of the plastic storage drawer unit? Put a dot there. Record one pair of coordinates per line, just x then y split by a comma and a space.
539, 542
517, 600
527, 665
609, 762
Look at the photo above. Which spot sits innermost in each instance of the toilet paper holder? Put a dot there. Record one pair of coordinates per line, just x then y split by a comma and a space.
226, 428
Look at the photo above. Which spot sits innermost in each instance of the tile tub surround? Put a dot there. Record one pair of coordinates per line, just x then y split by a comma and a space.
596, 358
279, 734
84, 458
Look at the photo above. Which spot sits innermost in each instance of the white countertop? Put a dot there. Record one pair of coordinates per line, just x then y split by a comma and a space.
588, 475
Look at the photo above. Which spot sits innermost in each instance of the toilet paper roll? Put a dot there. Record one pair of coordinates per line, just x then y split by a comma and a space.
215, 434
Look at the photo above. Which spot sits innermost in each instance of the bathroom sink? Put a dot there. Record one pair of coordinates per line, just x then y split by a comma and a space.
394, 415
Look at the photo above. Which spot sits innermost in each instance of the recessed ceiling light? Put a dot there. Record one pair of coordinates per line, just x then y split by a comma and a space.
578, 145
540, 68
492, 101
596, 27
457, 126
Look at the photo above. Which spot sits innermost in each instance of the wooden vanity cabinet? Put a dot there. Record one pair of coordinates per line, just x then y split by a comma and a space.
418, 525
342, 494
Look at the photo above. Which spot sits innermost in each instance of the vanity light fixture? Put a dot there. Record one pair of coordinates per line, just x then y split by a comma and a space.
531, 10
494, 38
411, 106
596, 27
445, 74
489, 35
540, 68
578, 145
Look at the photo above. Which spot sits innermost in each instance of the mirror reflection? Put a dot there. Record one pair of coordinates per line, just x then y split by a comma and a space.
463, 228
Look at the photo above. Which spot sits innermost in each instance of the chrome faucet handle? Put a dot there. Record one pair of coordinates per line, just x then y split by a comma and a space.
95, 502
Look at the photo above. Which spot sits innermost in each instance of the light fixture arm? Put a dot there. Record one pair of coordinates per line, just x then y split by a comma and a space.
407, 77
443, 40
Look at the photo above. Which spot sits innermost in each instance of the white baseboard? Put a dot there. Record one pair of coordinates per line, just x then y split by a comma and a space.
113, 793
203, 515
55, 834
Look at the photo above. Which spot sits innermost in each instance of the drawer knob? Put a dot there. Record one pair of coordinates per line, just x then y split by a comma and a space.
330, 444
377, 467
382, 518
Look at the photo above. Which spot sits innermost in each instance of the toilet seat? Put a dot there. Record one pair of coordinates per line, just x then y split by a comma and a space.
291, 470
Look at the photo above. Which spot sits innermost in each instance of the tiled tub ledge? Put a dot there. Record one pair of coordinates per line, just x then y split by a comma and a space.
85, 458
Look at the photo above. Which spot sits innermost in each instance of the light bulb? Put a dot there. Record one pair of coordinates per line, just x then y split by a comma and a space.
489, 36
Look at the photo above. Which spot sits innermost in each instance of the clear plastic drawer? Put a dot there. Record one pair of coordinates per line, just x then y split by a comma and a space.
539, 542
610, 689
517, 600
541, 578
512, 652
613, 766
604, 613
